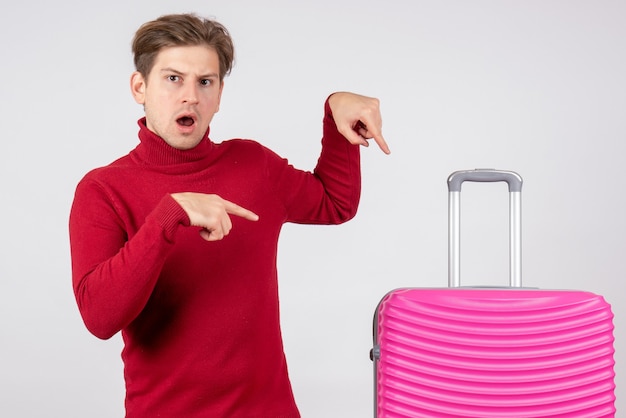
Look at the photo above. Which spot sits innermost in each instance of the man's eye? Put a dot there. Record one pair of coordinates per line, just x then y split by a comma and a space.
205, 82
173, 78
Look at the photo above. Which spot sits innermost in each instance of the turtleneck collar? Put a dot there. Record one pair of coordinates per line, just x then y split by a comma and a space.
153, 152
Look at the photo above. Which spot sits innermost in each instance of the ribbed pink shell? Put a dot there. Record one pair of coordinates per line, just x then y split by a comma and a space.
494, 353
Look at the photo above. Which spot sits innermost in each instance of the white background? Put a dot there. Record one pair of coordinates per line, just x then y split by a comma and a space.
532, 86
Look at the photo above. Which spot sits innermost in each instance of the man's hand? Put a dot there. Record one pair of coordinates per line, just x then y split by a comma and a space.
358, 118
211, 213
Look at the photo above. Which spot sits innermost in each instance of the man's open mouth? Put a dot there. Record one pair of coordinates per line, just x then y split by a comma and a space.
185, 121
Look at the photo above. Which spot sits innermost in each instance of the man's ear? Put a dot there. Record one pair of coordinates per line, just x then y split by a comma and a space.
138, 87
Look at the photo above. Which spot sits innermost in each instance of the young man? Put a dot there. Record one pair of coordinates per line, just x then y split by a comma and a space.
175, 243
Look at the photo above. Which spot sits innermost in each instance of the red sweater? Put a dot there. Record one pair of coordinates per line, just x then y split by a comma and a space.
199, 320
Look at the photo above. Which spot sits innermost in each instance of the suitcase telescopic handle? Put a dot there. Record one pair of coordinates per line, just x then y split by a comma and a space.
455, 181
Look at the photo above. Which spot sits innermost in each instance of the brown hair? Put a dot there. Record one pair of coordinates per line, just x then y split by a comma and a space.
181, 30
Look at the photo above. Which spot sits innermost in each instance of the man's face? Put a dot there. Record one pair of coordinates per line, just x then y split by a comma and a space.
181, 94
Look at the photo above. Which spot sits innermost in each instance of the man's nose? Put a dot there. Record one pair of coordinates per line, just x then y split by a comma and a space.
190, 94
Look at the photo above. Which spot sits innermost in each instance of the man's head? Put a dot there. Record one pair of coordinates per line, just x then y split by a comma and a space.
181, 30
181, 63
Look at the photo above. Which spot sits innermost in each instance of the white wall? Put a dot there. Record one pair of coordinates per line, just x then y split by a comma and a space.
533, 86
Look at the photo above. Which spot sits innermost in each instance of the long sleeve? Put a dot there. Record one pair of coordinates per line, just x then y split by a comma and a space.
113, 276
331, 193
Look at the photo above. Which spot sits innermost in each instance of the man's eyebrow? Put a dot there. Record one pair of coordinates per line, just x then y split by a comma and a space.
177, 72
171, 70
210, 75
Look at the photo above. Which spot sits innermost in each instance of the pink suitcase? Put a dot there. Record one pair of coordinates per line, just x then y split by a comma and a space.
492, 352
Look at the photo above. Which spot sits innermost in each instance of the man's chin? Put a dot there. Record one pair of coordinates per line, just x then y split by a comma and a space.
184, 142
